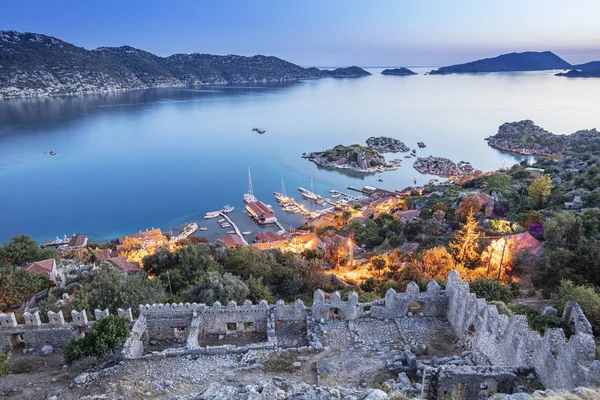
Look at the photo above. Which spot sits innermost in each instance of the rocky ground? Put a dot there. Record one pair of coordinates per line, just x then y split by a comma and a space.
385, 144
441, 166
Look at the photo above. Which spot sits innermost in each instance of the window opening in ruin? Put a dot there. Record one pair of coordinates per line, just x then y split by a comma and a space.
459, 393
17, 341
471, 330
231, 326
248, 326
81, 332
367, 309
335, 314
178, 332
417, 307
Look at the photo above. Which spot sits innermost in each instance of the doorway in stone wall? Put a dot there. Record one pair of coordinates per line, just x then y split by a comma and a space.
417, 307
335, 314
17, 341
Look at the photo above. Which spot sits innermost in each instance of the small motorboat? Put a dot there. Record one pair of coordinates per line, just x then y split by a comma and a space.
231, 232
203, 229
247, 233
52, 153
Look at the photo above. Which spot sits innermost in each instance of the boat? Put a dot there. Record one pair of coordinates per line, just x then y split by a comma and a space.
212, 214
203, 229
258, 130
231, 232
335, 195
282, 196
52, 153
221, 220
227, 209
247, 233
249, 197
225, 225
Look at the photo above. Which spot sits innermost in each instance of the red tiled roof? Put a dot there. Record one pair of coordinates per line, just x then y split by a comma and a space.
232, 240
269, 236
524, 242
43, 267
408, 214
78, 240
152, 235
259, 208
121, 263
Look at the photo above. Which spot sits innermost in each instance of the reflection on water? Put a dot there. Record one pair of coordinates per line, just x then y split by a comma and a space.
163, 157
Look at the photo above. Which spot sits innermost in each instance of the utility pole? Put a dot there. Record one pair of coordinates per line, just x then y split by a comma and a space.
169, 279
501, 259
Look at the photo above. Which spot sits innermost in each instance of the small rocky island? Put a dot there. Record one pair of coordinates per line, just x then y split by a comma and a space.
525, 137
398, 71
385, 144
441, 166
355, 157
349, 72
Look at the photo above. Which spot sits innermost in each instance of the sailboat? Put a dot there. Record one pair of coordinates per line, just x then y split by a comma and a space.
249, 197
310, 194
282, 196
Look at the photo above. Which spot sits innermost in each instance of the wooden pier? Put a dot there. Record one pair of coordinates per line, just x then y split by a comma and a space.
235, 228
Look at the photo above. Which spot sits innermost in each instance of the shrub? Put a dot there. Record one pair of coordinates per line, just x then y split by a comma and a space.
492, 290
501, 307
4, 364
586, 297
106, 336
538, 321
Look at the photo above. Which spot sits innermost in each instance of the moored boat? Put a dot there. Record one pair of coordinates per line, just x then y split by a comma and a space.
212, 214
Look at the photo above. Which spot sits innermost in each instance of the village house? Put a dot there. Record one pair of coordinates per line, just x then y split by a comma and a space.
232, 240
47, 268
149, 239
125, 267
261, 212
408, 215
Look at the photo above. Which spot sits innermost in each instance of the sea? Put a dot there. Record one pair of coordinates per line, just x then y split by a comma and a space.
160, 158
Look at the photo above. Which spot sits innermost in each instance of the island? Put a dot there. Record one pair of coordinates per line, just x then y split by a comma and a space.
349, 72
41, 65
589, 70
355, 157
398, 71
525, 137
385, 144
512, 62
441, 166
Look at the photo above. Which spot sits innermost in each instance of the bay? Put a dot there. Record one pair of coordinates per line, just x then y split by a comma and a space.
131, 161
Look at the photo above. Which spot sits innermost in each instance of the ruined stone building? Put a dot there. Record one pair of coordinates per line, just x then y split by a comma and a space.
491, 350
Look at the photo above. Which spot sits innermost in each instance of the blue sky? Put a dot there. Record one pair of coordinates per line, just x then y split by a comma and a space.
324, 32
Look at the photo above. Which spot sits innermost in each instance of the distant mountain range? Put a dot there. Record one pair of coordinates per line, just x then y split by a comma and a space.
32, 64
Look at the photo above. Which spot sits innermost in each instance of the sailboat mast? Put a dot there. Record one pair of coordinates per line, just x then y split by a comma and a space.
250, 190
283, 193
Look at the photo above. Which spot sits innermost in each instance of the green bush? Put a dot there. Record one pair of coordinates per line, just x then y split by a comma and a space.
106, 336
4, 364
538, 321
492, 290
502, 308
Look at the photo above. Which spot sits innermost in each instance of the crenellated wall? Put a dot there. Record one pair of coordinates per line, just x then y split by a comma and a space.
509, 342
57, 333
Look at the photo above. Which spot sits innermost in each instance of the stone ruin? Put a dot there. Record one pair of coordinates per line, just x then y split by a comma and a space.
492, 353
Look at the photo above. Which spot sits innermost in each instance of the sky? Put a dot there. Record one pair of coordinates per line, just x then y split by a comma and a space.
322, 32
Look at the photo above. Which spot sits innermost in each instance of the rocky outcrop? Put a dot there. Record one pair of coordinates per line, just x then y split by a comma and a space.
441, 166
527, 61
574, 73
525, 137
398, 71
40, 65
355, 157
385, 144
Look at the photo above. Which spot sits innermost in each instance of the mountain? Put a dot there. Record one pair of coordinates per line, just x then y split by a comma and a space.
398, 71
528, 61
32, 64
587, 70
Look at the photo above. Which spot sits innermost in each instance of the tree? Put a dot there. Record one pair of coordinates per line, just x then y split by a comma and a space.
23, 249
470, 204
378, 263
436, 263
106, 287
540, 188
564, 230
17, 284
465, 246
257, 291
245, 261
498, 181
106, 336
217, 287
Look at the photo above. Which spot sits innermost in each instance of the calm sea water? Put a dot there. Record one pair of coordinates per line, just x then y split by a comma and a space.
160, 158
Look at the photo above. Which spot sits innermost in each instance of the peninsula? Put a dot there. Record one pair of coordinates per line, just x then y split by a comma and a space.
525, 137
385, 144
398, 71
527, 61
354, 157
441, 166
40, 65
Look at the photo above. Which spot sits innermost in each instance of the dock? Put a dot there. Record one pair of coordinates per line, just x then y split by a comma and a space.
235, 228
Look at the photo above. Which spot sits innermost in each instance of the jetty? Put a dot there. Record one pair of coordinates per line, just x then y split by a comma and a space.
235, 228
